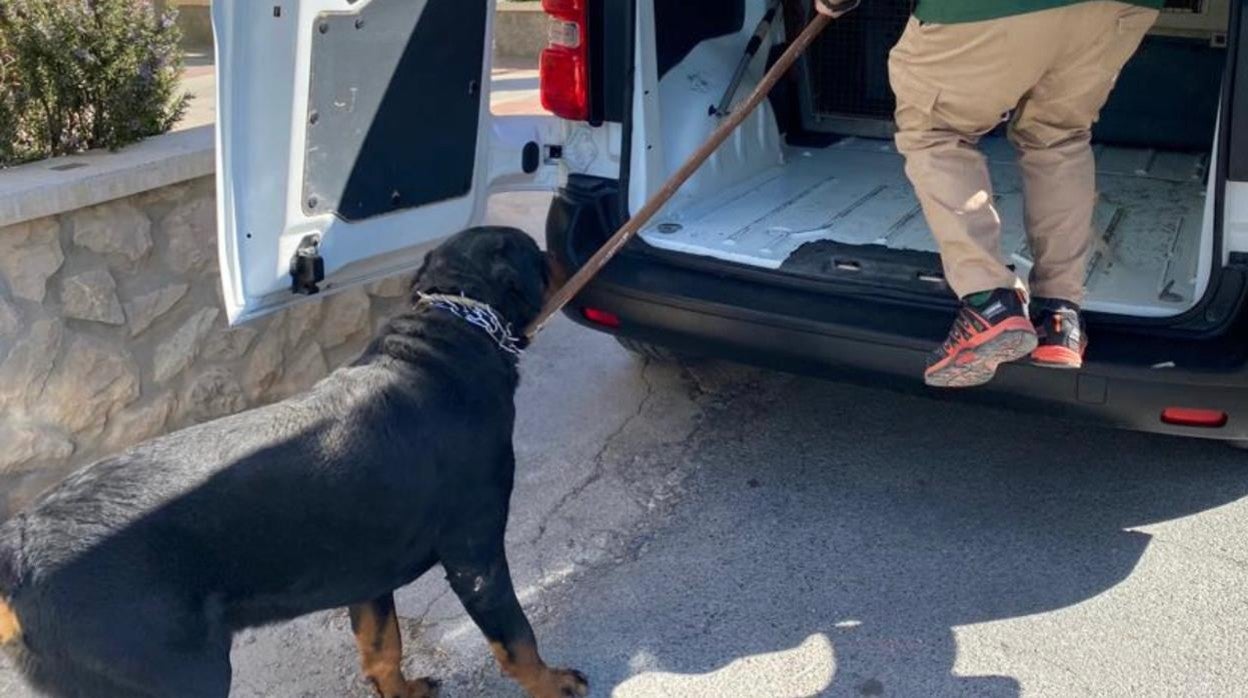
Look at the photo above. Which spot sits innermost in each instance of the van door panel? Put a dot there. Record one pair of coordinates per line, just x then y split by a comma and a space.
352, 135
394, 106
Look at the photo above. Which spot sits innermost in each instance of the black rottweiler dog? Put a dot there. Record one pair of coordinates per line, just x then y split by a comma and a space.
130, 578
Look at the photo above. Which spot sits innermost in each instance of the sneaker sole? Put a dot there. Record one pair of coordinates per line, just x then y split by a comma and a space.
1057, 357
976, 366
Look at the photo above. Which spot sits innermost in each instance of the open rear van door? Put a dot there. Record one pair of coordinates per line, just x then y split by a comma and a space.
350, 135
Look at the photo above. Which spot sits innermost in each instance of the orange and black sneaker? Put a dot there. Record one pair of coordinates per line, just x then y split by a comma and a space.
992, 328
1063, 338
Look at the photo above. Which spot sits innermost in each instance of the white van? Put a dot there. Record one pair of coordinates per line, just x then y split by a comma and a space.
352, 133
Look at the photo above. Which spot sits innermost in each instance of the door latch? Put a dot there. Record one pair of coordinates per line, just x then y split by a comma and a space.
307, 268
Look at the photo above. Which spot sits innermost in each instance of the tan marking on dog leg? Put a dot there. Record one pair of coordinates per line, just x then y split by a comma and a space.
10, 627
522, 663
376, 628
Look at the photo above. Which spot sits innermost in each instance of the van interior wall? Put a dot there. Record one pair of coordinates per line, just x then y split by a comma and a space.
847, 205
698, 44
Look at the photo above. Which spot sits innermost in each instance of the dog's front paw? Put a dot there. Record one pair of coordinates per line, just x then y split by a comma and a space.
564, 683
423, 688
419, 688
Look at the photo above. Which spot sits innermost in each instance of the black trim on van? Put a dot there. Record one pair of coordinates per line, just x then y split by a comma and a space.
1235, 101
611, 41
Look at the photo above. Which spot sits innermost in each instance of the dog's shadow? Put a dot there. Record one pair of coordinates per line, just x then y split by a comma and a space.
835, 537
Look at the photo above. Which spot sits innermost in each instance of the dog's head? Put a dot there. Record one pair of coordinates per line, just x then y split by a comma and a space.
496, 265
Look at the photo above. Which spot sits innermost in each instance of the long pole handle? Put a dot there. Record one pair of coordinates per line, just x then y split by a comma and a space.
626, 232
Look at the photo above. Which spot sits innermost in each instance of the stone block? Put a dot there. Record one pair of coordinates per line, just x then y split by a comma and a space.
178, 352
30, 253
229, 344
213, 393
10, 319
138, 424
301, 321
391, 287
27, 445
305, 369
145, 309
92, 295
264, 366
91, 383
191, 228
115, 228
346, 314
25, 371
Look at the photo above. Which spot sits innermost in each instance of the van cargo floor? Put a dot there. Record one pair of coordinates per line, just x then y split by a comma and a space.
1149, 217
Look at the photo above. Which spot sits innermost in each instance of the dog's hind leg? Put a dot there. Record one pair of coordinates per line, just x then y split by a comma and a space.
483, 584
10, 626
158, 671
152, 644
376, 628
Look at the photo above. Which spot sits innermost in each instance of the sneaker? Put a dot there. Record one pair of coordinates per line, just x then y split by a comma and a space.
1061, 333
991, 329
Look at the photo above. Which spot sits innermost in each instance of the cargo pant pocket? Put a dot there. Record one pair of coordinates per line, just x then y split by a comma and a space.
1129, 30
916, 100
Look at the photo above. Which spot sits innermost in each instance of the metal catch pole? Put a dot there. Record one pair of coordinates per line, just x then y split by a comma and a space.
751, 50
673, 184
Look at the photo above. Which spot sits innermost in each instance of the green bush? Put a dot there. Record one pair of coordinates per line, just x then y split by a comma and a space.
82, 74
8, 121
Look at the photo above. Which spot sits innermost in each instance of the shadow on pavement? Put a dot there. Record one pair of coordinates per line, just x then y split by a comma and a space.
878, 522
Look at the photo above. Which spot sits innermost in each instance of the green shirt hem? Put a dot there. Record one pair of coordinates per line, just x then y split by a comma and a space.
959, 11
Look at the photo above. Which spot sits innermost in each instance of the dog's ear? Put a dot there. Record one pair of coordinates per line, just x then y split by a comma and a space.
420, 274
424, 266
505, 275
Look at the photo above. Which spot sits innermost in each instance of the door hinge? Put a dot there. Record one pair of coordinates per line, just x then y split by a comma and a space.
307, 268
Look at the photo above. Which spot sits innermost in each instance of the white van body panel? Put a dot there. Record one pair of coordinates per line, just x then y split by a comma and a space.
672, 119
264, 57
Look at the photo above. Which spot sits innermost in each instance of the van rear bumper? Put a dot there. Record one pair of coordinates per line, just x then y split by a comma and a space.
709, 308
1126, 383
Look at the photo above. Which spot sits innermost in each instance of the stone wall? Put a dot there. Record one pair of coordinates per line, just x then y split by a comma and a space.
112, 331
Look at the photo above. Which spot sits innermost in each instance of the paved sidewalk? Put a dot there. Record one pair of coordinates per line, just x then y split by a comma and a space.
199, 79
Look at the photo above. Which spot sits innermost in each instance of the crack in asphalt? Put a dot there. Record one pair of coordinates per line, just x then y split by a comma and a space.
599, 458
424, 615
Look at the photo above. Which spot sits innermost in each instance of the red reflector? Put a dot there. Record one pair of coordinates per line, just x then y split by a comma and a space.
1191, 417
565, 82
564, 64
601, 317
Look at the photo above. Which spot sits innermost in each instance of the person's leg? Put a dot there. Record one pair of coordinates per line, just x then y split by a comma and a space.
1051, 131
954, 83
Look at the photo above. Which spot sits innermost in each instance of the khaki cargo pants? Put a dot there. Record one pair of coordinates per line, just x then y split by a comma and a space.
1052, 70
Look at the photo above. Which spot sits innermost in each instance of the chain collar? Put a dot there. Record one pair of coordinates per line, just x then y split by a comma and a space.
474, 312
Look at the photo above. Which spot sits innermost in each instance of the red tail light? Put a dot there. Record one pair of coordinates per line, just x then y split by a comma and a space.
601, 317
565, 61
1190, 417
